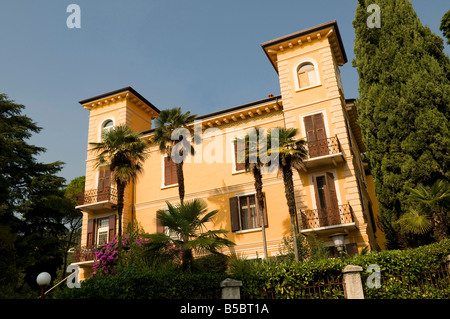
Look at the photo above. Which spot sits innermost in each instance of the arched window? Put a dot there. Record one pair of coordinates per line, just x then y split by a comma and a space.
108, 125
306, 74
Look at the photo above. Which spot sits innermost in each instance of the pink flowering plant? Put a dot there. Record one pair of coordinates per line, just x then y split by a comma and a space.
107, 256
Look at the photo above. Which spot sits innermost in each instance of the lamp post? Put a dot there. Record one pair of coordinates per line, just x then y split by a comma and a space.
338, 240
43, 280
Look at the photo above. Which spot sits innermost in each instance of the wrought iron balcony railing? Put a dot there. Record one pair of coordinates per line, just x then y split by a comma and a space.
95, 195
84, 254
323, 147
316, 218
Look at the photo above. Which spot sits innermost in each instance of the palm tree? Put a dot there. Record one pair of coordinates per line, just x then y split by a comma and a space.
166, 124
251, 159
289, 156
125, 152
186, 223
430, 210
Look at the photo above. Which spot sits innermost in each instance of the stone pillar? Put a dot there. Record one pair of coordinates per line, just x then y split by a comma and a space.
352, 282
231, 289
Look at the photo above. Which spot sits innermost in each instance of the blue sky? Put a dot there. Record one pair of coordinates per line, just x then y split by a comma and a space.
200, 55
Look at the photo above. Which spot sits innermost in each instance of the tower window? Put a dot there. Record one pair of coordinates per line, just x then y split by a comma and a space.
306, 74
108, 125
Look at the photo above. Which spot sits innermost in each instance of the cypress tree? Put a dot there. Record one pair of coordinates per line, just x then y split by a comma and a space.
403, 105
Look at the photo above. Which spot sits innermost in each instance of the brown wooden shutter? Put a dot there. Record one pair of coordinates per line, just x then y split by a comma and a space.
159, 226
332, 202
238, 148
319, 126
352, 249
112, 227
90, 233
266, 221
170, 172
316, 135
107, 186
101, 180
320, 210
234, 214
309, 128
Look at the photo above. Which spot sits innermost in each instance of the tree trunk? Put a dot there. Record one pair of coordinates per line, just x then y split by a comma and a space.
120, 198
260, 198
289, 191
180, 177
439, 225
186, 259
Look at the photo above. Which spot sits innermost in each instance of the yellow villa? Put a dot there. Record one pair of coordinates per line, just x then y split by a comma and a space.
334, 194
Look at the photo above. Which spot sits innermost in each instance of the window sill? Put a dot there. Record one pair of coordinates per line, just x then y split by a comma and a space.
252, 230
237, 172
168, 186
306, 88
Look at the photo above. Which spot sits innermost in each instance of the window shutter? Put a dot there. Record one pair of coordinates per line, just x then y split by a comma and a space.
234, 214
91, 233
238, 147
320, 210
332, 202
170, 172
167, 174
266, 221
321, 136
107, 182
112, 227
352, 249
319, 126
309, 128
159, 226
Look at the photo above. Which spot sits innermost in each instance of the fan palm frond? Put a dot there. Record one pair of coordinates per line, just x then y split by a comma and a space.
415, 222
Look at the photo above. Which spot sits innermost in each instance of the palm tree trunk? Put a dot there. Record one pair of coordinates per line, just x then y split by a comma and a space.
289, 192
120, 199
260, 198
439, 225
186, 259
180, 177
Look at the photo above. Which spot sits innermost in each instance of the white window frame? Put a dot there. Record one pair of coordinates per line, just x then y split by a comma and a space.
325, 120
336, 186
245, 194
295, 73
102, 229
102, 125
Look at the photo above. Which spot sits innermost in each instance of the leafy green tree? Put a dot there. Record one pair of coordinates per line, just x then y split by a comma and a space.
125, 152
40, 244
167, 126
31, 204
290, 155
445, 26
403, 109
187, 226
73, 218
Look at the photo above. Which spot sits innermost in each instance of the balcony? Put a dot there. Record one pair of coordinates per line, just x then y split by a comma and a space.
95, 200
83, 254
327, 222
324, 152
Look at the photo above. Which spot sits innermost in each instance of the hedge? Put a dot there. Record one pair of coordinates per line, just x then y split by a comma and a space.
267, 279
135, 284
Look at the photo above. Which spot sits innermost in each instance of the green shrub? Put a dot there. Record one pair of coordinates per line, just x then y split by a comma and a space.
135, 284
